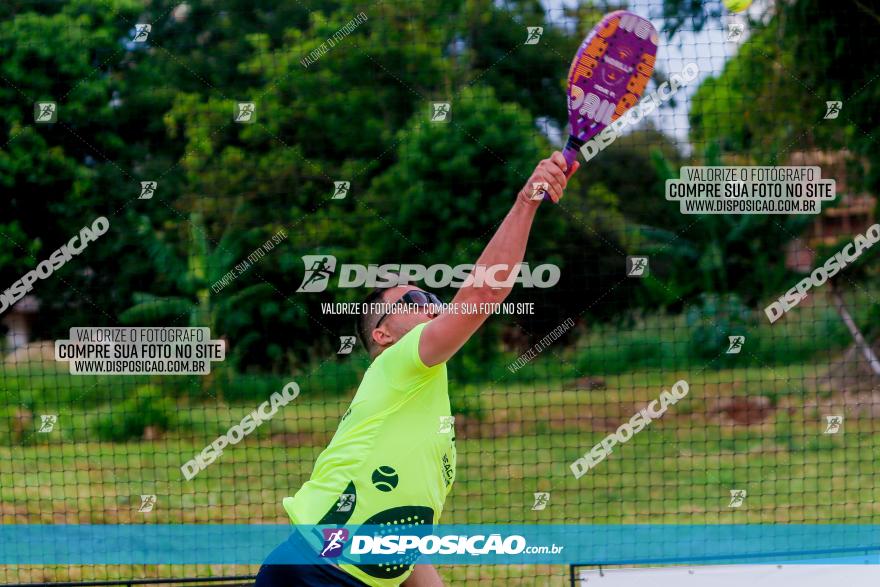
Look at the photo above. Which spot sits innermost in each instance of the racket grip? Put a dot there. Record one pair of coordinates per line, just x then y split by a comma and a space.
570, 152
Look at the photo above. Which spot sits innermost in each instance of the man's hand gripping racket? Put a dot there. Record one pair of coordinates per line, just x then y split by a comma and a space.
607, 77
549, 179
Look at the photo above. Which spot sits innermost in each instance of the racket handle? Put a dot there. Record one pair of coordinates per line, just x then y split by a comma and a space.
570, 152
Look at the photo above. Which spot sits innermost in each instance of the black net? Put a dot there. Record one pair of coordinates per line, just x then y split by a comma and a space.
201, 171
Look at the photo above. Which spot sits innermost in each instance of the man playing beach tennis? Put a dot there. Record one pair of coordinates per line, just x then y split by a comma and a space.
392, 459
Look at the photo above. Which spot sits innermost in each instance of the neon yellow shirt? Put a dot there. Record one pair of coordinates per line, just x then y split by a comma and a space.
394, 452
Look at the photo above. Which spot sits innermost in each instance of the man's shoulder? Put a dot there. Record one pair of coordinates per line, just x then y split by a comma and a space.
405, 349
401, 364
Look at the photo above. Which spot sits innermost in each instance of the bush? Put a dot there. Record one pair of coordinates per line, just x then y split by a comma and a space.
716, 317
17, 426
148, 409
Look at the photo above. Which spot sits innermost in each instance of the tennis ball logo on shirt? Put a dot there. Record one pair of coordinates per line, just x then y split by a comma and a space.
385, 478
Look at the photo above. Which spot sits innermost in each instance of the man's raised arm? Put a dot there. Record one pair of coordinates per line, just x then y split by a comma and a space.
448, 332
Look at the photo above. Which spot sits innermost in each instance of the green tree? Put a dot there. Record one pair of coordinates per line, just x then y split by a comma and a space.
61, 176
198, 278
719, 253
453, 183
771, 97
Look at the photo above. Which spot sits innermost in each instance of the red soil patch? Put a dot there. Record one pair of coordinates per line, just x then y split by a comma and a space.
743, 410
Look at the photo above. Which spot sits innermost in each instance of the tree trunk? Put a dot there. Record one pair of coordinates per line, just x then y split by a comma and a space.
863, 346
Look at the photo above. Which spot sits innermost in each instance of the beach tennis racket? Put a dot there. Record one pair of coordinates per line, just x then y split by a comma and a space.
607, 76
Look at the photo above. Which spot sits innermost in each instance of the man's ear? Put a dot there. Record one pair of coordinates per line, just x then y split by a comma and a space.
381, 337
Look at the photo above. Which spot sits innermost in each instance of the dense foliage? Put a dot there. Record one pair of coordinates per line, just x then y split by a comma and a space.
425, 193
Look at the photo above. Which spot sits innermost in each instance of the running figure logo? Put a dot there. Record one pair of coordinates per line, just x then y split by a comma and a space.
538, 189
47, 423
440, 112
534, 34
45, 112
834, 424
319, 268
636, 266
340, 190
148, 502
345, 503
736, 344
334, 540
447, 423
735, 30
245, 112
737, 497
141, 32
148, 188
832, 109
346, 345
542, 498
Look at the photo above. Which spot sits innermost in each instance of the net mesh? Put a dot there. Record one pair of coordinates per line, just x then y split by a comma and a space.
230, 140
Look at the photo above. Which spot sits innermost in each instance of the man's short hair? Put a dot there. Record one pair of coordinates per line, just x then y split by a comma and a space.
366, 322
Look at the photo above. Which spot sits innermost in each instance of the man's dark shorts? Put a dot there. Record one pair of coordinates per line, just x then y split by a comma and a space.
309, 575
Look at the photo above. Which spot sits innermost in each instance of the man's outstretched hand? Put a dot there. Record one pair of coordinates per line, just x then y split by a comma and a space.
550, 176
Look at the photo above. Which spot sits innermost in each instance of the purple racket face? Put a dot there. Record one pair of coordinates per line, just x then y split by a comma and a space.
608, 75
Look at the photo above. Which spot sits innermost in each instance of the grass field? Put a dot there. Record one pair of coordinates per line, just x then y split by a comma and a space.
520, 438
687, 460
679, 470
